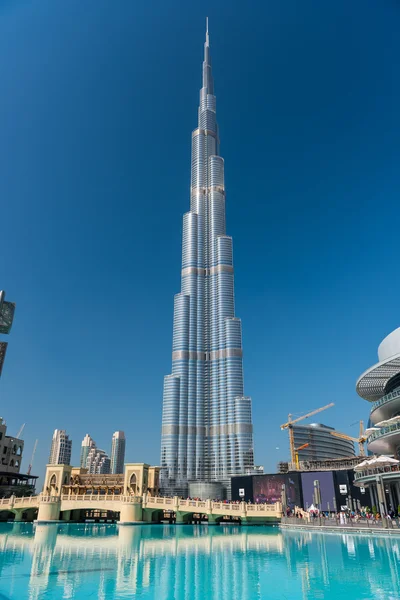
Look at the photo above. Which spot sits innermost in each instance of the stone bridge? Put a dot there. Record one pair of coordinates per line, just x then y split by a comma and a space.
24, 508
137, 509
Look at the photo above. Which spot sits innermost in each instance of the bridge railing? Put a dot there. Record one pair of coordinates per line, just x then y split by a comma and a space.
265, 508
43, 498
98, 498
26, 500
209, 506
15, 501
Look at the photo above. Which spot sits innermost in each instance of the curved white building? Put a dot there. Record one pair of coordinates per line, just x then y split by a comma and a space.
322, 445
380, 385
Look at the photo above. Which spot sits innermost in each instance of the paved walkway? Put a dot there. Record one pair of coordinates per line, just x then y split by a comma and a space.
363, 526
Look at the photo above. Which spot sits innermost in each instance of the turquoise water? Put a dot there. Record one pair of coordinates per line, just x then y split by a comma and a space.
183, 563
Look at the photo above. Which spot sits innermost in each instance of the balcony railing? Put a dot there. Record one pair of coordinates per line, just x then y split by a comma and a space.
384, 399
377, 471
383, 431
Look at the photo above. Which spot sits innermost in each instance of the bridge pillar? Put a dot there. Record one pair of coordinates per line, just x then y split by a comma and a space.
18, 512
181, 517
131, 512
66, 515
147, 516
49, 509
212, 520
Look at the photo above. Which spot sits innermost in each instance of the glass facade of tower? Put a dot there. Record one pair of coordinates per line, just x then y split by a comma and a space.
207, 432
118, 452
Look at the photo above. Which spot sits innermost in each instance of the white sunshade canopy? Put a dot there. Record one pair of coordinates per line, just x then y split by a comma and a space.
382, 460
362, 465
376, 462
388, 422
370, 430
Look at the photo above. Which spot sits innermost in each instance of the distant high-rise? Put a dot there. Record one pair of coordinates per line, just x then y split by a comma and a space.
98, 462
118, 452
87, 443
61, 446
207, 432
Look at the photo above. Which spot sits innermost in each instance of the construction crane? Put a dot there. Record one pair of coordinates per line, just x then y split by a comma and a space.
290, 423
360, 440
18, 436
32, 457
297, 453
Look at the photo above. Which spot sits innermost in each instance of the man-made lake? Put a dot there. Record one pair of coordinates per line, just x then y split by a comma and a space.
169, 562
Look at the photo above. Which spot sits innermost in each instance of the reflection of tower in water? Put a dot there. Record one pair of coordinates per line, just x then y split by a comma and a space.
180, 563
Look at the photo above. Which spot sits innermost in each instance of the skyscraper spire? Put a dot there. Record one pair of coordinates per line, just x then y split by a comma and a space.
207, 432
208, 83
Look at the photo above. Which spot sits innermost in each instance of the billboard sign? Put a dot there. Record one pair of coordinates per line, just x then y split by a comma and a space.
241, 492
343, 489
267, 489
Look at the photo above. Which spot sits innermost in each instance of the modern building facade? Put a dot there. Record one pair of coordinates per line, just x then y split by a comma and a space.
380, 385
322, 444
98, 462
61, 447
87, 444
117, 452
207, 433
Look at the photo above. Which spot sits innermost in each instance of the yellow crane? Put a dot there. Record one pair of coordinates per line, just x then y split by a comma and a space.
297, 453
291, 422
360, 440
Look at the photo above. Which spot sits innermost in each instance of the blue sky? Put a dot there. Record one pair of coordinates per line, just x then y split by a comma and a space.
97, 106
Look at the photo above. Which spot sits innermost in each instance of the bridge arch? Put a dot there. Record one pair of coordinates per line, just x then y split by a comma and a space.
6, 515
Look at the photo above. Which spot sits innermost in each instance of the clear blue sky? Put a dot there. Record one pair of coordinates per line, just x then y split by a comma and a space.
98, 100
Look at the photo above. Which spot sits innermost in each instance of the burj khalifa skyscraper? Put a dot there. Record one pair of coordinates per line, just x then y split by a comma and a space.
207, 432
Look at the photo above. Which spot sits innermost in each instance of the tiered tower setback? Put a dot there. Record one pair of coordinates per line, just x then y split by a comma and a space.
207, 432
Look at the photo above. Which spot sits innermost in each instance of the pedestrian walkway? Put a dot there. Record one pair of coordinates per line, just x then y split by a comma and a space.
363, 525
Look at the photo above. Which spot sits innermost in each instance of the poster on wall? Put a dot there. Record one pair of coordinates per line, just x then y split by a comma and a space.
267, 489
326, 489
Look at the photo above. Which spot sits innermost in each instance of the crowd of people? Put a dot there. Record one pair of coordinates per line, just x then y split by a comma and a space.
346, 516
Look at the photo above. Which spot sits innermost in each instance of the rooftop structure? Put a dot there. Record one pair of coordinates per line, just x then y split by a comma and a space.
207, 432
